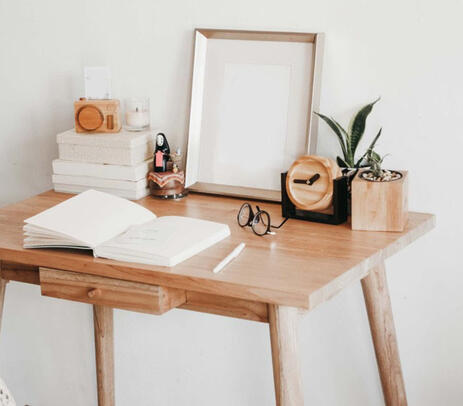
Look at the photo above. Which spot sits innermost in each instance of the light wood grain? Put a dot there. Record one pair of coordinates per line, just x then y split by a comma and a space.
241, 192
200, 302
20, 273
3, 283
378, 304
226, 306
97, 116
110, 292
318, 51
104, 354
286, 369
319, 195
258, 35
302, 265
380, 206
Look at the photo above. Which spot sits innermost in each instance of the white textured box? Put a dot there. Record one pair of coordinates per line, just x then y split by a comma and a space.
123, 148
122, 139
105, 171
127, 194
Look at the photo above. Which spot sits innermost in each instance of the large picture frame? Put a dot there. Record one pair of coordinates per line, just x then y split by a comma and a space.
251, 115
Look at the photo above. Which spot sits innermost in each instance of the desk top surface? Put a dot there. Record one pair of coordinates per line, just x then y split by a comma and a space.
302, 265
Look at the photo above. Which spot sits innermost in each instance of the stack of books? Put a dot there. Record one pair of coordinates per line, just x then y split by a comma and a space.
111, 163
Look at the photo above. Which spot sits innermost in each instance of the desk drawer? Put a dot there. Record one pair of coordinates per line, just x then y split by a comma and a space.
138, 297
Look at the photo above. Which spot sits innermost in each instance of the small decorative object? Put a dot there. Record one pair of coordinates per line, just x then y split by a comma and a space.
167, 185
349, 140
97, 82
161, 153
314, 189
379, 198
97, 116
137, 114
176, 158
166, 181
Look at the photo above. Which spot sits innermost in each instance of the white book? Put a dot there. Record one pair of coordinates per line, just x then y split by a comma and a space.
90, 181
126, 194
120, 172
118, 229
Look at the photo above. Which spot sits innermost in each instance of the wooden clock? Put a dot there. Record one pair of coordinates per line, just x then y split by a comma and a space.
309, 182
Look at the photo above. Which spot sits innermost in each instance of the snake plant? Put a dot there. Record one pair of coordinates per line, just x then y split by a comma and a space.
349, 140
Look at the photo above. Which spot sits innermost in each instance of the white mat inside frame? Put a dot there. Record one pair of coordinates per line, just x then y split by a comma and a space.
253, 95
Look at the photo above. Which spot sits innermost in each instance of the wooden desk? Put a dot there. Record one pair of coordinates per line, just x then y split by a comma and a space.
300, 267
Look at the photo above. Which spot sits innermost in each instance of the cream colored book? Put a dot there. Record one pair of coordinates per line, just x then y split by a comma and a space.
126, 194
116, 228
92, 182
119, 172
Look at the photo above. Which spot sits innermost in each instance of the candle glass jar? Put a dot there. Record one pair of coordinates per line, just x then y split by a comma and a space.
137, 113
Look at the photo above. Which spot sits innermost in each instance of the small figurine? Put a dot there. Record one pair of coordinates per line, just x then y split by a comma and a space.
176, 158
161, 153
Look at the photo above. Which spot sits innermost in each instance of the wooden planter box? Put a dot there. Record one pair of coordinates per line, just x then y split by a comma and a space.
380, 206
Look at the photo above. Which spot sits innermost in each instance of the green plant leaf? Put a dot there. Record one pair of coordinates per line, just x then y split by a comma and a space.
358, 126
370, 148
341, 162
376, 157
347, 156
336, 130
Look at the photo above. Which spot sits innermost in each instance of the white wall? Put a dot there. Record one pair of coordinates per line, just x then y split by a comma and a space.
409, 52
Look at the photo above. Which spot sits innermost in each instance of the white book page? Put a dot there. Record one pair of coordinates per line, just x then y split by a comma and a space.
164, 241
91, 217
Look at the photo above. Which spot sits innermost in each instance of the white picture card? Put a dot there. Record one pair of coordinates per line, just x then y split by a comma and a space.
97, 82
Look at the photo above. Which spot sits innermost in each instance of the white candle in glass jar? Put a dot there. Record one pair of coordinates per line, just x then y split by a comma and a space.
137, 118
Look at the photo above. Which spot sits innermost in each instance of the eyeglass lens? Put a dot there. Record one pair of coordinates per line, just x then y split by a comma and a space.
261, 223
244, 215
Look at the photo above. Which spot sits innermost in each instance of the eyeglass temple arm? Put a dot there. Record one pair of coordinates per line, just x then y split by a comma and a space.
283, 222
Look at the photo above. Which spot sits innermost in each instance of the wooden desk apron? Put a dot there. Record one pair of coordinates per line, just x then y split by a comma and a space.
301, 266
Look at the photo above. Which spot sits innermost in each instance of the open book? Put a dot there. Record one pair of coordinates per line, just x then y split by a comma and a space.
116, 228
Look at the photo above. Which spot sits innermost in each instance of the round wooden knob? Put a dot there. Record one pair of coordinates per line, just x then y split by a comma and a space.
94, 293
90, 118
309, 182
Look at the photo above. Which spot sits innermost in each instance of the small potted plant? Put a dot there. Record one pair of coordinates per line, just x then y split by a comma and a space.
349, 139
379, 197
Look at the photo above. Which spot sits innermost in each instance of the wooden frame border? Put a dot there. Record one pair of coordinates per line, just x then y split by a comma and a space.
196, 103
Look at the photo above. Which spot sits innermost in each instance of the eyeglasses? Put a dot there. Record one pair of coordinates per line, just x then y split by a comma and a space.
259, 221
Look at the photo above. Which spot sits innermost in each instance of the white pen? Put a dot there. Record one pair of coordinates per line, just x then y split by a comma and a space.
229, 258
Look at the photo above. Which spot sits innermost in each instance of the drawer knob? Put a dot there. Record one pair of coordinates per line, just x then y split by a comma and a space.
94, 293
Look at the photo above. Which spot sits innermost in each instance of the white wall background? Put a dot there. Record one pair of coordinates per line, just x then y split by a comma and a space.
409, 52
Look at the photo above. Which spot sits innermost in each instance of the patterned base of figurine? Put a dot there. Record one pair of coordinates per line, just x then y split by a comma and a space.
175, 196
167, 185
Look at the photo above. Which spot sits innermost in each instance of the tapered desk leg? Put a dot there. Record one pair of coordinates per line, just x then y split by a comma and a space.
104, 351
3, 283
378, 304
283, 322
